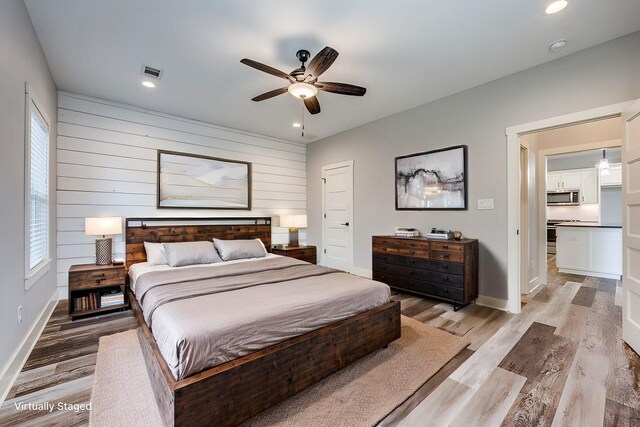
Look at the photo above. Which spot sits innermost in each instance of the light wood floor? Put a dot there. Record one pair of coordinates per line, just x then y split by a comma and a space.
560, 362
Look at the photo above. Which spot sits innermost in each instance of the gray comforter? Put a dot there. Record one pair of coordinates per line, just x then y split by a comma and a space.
206, 316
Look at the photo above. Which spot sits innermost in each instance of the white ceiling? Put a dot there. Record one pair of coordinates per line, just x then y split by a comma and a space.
405, 53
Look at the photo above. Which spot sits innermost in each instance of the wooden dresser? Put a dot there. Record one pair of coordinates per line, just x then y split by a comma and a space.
446, 270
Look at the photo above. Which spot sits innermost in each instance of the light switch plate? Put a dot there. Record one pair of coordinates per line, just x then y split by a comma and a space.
485, 204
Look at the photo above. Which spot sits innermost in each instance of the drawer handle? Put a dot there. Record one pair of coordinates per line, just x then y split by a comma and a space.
445, 246
413, 261
412, 272
97, 275
445, 278
445, 266
446, 291
410, 283
413, 252
445, 256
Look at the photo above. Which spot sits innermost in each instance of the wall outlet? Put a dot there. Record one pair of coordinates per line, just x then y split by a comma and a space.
19, 315
485, 204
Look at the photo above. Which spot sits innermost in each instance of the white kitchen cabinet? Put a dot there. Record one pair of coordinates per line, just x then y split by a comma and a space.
589, 186
614, 178
589, 250
569, 180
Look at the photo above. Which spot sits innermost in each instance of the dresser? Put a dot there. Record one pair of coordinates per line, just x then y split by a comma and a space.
446, 270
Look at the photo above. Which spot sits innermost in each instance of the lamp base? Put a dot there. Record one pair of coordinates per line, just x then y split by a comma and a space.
103, 251
293, 237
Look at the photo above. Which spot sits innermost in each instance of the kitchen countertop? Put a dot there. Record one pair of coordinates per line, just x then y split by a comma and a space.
587, 224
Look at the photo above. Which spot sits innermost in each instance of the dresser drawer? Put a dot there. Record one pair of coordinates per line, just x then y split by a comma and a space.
91, 279
402, 251
447, 256
441, 266
392, 242
436, 277
420, 286
445, 246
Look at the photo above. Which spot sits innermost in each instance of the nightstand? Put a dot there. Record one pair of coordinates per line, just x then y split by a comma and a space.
305, 253
96, 289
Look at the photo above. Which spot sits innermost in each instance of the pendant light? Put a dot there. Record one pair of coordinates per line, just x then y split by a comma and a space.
604, 164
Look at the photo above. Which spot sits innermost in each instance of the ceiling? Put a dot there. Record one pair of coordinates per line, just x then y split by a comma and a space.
405, 53
582, 160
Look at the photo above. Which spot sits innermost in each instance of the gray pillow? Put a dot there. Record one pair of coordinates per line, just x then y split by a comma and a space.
190, 253
155, 253
240, 249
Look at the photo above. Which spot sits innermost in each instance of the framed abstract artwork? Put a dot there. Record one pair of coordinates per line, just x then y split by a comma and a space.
433, 180
191, 181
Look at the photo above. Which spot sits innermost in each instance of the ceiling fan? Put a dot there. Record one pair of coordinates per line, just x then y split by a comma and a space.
304, 82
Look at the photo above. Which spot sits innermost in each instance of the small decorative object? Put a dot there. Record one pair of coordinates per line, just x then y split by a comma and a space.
432, 180
199, 182
457, 235
103, 227
293, 222
406, 232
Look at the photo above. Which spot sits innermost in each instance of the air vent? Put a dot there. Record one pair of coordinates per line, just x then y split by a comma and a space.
154, 73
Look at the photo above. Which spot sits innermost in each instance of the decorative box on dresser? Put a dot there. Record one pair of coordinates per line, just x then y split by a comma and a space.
304, 253
442, 269
89, 284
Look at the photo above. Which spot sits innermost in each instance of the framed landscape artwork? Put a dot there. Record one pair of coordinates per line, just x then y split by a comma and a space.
432, 180
192, 181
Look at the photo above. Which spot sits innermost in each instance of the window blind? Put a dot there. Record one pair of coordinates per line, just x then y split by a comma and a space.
38, 190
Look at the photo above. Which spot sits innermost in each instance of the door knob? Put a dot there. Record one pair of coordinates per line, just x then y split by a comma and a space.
346, 223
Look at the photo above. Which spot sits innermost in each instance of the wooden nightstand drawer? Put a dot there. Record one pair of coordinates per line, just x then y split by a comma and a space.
304, 253
96, 278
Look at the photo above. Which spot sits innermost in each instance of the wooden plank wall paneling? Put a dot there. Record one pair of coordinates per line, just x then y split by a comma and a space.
106, 166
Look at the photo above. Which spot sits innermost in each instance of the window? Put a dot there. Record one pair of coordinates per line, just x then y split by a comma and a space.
36, 191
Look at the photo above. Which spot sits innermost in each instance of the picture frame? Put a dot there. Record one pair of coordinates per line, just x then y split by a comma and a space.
432, 180
193, 181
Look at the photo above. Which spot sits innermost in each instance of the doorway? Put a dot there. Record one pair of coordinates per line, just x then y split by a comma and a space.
514, 198
524, 220
337, 216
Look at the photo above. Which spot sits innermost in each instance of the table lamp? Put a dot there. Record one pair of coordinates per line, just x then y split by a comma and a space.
293, 222
103, 227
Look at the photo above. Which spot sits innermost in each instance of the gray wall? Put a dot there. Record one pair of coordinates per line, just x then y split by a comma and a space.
21, 59
603, 75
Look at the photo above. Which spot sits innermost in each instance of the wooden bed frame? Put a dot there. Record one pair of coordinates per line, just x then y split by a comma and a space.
233, 392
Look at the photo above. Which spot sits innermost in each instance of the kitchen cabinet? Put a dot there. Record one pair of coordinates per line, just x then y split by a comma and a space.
614, 178
589, 250
585, 180
589, 186
569, 180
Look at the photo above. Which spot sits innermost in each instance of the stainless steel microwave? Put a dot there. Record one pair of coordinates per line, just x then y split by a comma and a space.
563, 198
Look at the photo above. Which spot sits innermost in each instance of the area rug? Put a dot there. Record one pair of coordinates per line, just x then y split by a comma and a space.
362, 394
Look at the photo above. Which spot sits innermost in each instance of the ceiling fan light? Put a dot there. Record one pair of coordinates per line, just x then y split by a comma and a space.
302, 90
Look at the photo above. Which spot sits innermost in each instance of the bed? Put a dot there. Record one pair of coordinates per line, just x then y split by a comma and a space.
279, 324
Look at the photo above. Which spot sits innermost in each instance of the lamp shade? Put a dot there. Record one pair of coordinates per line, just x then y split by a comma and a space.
293, 221
103, 226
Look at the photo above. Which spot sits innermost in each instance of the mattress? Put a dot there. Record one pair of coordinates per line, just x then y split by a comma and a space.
202, 316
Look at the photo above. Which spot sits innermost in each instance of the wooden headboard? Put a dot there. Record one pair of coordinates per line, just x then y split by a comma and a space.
167, 230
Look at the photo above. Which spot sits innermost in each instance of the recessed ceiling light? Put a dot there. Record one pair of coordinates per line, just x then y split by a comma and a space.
147, 83
556, 6
297, 125
557, 45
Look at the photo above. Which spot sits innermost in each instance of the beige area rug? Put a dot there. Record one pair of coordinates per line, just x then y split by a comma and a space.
362, 394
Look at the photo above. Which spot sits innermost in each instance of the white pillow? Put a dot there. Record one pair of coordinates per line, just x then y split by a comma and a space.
240, 249
190, 253
155, 253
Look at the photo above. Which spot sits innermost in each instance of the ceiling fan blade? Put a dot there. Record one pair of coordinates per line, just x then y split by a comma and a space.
342, 88
321, 62
266, 69
312, 104
270, 94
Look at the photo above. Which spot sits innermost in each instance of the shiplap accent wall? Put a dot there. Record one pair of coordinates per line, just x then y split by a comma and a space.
107, 167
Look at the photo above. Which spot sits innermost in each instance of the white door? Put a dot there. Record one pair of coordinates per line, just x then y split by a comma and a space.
337, 221
631, 227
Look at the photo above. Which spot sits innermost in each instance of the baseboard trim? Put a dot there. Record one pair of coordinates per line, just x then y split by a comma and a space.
19, 357
591, 273
497, 303
363, 272
534, 284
